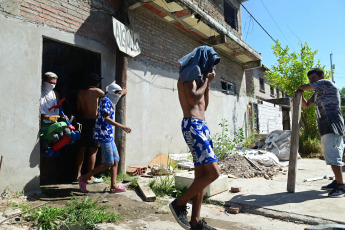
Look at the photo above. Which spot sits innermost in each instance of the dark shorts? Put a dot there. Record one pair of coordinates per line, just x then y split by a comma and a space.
88, 126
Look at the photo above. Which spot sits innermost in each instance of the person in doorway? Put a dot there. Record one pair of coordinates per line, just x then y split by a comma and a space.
197, 71
104, 134
87, 104
49, 97
330, 122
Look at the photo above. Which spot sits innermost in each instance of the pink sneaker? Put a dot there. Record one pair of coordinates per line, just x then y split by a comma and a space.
118, 189
82, 186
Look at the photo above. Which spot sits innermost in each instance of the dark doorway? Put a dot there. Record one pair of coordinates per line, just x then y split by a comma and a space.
70, 64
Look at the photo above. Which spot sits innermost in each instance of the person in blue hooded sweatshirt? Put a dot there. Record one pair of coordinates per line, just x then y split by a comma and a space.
197, 71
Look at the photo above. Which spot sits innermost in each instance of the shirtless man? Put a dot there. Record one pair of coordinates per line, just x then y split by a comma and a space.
87, 104
194, 98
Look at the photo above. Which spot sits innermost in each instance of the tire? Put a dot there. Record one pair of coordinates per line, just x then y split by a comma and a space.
67, 132
54, 137
48, 152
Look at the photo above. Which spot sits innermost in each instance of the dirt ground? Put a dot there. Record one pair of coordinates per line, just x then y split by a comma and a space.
136, 214
238, 166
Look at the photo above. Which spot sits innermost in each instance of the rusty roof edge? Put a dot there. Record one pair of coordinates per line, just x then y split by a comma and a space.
220, 28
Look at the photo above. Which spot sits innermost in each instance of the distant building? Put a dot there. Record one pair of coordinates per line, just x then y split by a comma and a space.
266, 111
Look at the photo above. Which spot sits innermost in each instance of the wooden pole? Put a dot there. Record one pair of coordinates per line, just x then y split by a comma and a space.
121, 79
1, 162
296, 115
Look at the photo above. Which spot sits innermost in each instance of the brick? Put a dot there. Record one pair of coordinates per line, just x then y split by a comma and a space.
132, 171
47, 17
62, 23
49, 9
72, 22
32, 17
28, 11
235, 189
66, 15
235, 210
56, 25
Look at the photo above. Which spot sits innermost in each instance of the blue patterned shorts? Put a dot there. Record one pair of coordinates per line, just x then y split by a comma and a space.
110, 153
198, 138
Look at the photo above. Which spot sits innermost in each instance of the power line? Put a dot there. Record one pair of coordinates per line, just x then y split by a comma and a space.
257, 21
276, 24
294, 34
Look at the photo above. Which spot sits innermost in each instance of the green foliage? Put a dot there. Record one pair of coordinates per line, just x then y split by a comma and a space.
223, 143
164, 185
289, 72
134, 183
84, 213
249, 142
310, 147
107, 178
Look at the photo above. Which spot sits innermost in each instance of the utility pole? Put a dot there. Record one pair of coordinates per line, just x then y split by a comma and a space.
121, 79
332, 67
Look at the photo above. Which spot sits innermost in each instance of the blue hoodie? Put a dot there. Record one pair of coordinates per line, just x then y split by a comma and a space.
198, 63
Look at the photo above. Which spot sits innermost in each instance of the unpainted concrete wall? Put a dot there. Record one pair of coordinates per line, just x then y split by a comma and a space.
155, 115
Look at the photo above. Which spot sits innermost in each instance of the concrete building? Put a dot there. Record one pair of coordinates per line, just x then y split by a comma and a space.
76, 36
269, 109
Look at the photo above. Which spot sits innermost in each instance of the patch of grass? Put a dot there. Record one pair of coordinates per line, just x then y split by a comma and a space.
23, 206
134, 183
206, 200
310, 147
119, 178
83, 213
249, 142
164, 185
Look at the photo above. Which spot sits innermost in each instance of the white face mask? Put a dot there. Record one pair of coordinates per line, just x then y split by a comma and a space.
47, 86
114, 97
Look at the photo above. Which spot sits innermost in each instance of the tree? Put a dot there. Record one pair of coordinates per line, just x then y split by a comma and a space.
289, 72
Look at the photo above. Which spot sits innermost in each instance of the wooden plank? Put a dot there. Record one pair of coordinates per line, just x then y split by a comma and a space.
296, 115
147, 192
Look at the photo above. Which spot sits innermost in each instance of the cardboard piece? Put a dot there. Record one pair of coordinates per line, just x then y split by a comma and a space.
161, 159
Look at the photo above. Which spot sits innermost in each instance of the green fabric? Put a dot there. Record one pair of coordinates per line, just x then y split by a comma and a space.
48, 129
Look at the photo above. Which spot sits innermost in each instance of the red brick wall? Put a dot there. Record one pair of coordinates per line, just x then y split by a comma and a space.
91, 19
249, 81
163, 43
215, 8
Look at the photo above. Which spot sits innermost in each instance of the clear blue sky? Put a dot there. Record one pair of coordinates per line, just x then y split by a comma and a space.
320, 23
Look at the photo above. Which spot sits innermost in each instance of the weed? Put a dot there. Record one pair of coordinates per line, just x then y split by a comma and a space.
134, 183
84, 213
310, 147
206, 200
23, 206
163, 185
224, 144
107, 178
249, 142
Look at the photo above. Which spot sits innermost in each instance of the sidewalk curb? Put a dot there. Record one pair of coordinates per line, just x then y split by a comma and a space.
281, 215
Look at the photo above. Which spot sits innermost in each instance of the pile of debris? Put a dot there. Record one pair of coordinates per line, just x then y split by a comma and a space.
262, 160
237, 166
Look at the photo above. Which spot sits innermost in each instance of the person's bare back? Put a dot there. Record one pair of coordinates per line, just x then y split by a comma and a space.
87, 102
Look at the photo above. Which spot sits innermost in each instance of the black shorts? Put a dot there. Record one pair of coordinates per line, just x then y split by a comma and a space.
88, 126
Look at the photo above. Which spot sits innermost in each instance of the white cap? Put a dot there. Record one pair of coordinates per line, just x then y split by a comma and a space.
113, 87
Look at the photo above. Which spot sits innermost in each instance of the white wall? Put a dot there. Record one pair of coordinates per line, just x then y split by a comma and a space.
270, 117
155, 115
